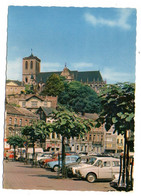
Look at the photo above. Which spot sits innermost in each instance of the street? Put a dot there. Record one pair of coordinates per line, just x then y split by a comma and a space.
17, 175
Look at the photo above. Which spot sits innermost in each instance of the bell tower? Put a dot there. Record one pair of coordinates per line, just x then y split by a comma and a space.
30, 68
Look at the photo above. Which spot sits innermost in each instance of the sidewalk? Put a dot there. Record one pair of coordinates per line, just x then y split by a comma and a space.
19, 176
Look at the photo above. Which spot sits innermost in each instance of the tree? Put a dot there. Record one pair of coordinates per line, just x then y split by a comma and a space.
118, 105
15, 141
37, 131
54, 85
68, 124
80, 97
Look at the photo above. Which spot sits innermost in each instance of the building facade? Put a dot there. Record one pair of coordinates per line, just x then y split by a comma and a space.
32, 102
14, 87
16, 118
32, 75
30, 69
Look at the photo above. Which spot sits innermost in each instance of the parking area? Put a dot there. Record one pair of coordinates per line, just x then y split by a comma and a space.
17, 175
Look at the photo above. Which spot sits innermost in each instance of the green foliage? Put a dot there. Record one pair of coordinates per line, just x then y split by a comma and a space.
29, 89
118, 107
36, 131
68, 124
54, 85
80, 97
15, 141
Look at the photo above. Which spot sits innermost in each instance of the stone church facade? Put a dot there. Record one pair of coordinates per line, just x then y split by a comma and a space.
31, 74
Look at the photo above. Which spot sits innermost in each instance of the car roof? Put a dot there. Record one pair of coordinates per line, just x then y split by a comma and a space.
108, 158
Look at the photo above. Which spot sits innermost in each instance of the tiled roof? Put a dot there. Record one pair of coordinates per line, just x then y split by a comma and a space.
31, 57
12, 110
84, 76
32, 95
46, 110
26, 112
19, 111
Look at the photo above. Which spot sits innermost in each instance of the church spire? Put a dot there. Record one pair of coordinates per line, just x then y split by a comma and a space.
31, 52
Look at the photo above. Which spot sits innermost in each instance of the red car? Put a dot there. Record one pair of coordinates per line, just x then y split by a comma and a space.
44, 162
9, 155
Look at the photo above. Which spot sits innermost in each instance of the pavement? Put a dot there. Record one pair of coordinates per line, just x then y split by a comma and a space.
17, 175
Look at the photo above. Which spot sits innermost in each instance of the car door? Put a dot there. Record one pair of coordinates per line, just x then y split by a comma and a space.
115, 167
67, 160
105, 170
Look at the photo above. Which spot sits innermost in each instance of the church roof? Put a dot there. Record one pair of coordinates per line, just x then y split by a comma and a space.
84, 76
32, 57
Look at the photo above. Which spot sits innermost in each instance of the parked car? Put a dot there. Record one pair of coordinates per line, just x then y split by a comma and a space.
103, 168
82, 161
54, 165
54, 157
43, 156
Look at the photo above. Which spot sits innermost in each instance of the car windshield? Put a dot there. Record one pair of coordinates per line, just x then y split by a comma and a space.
78, 160
91, 160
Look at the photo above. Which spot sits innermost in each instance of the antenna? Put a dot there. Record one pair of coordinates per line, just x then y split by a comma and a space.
31, 51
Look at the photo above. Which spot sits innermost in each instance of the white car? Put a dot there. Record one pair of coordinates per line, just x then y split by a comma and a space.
43, 156
83, 161
103, 168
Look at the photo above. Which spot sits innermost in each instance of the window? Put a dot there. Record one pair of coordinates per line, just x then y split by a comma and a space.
48, 104
73, 159
116, 163
15, 121
20, 122
98, 163
26, 65
10, 121
25, 122
26, 79
31, 65
53, 135
90, 137
58, 136
77, 147
106, 164
67, 158
93, 137
117, 141
23, 104
33, 103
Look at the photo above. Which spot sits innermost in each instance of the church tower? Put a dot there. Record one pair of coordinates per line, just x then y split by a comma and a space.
31, 67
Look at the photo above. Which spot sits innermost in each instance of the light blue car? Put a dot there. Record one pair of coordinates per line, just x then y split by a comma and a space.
54, 165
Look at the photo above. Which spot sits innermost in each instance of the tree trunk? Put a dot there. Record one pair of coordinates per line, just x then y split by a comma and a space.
26, 151
127, 169
124, 160
63, 157
33, 152
14, 153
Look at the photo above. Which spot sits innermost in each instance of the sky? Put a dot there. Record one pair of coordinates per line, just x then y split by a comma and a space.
86, 39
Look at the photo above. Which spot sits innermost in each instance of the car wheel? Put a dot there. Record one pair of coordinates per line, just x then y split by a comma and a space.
56, 168
91, 177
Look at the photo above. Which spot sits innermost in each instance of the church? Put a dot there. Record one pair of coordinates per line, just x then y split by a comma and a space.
31, 74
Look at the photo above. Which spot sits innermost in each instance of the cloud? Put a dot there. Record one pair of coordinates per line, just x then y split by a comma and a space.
113, 76
82, 66
14, 69
51, 66
121, 21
